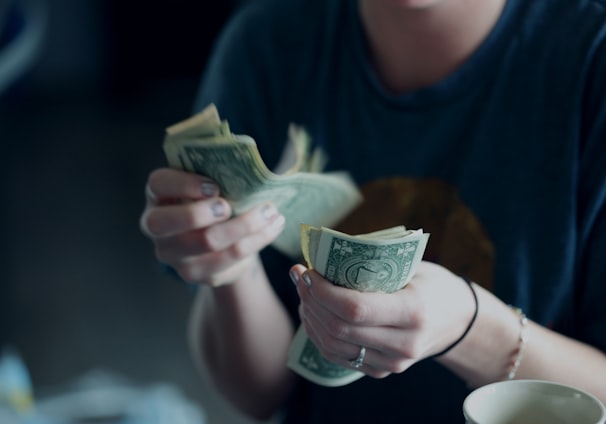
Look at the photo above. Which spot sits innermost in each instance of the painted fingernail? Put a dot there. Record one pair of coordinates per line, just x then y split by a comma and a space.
269, 212
218, 209
294, 276
209, 189
306, 279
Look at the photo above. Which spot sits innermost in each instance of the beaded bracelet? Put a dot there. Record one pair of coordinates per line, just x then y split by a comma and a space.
473, 320
518, 353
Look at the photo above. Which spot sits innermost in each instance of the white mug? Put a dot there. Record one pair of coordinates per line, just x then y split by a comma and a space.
532, 402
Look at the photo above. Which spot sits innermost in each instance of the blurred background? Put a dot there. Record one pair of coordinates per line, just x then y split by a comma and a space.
86, 90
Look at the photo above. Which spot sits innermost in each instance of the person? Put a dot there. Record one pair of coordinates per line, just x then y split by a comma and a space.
481, 121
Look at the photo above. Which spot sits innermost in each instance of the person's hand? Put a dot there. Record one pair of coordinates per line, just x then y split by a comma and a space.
397, 329
193, 232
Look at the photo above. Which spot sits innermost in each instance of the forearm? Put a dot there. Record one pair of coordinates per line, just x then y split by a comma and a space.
485, 354
240, 334
552, 356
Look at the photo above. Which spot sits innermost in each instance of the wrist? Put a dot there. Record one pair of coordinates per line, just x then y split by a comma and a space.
517, 353
485, 354
244, 272
474, 316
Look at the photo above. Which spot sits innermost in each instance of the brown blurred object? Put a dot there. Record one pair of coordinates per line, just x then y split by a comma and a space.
458, 241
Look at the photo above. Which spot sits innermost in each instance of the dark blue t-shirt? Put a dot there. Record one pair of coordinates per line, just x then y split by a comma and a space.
503, 162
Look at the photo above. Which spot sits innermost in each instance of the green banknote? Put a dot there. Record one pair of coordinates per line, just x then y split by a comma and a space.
382, 261
204, 144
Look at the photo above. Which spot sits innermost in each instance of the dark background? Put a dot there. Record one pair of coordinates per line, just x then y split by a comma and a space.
79, 130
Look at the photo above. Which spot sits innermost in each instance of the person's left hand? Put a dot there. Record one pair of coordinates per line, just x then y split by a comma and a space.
397, 329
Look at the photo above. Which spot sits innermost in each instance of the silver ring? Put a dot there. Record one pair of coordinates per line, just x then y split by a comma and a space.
359, 361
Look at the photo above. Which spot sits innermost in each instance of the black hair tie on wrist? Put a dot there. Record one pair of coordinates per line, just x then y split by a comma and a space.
473, 319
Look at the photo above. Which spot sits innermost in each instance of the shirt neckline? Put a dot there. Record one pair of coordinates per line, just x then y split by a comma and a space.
478, 66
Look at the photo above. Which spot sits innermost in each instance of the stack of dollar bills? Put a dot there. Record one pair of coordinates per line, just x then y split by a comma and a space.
299, 189
382, 261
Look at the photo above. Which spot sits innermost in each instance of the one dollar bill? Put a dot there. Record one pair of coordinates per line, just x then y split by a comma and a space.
382, 261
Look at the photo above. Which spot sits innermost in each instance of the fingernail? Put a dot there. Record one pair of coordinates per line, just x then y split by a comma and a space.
279, 222
218, 209
268, 212
306, 279
209, 189
294, 276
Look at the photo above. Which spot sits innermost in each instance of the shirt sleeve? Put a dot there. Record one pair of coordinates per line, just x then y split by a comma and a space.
591, 274
244, 77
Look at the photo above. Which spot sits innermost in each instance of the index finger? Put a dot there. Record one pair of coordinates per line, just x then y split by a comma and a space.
165, 185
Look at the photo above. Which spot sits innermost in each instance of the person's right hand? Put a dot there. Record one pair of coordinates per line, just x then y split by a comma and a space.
193, 231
